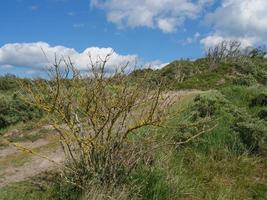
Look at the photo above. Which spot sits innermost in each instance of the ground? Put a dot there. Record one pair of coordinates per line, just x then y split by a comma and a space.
17, 165
228, 176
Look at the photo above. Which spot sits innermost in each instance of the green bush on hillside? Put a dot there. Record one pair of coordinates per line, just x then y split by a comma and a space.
8, 83
263, 114
244, 80
252, 131
208, 105
14, 110
259, 100
214, 165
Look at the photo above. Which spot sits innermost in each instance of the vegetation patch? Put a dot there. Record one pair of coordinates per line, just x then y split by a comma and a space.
131, 137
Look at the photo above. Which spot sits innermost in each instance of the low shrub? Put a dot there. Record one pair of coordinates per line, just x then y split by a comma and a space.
247, 80
252, 132
152, 184
259, 100
263, 114
8, 82
208, 105
62, 190
14, 110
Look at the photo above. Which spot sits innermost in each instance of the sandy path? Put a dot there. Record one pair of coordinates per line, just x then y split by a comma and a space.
35, 165
31, 145
16, 166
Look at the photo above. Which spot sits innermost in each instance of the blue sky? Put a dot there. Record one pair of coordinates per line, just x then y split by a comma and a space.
154, 32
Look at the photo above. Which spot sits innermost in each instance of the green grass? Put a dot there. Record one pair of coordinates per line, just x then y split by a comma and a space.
192, 175
23, 191
216, 166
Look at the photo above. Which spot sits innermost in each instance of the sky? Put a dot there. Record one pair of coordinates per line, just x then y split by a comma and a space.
148, 32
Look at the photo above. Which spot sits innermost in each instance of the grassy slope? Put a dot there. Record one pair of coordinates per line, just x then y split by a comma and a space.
210, 168
13, 110
215, 166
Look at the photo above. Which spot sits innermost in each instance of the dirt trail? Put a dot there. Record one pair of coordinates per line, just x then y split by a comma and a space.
31, 145
33, 167
16, 166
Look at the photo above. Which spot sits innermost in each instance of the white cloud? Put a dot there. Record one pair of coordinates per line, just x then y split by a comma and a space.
190, 40
6, 66
197, 35
243, 20
156, 64
215, 39
31, 72
167, 25
167, 15
40, 54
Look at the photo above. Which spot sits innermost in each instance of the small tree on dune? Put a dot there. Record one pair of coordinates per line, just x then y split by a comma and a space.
98, 117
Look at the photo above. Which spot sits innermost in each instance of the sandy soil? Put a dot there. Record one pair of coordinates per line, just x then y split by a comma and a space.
34, 165
16, 166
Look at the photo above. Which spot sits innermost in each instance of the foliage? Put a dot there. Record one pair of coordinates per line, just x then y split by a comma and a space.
101, 115
14, 110
226, 161
260, 52
8, 83
222, 51
263, 114
259, 100
208, 105
244, 80
246, 106
207, 168
252, 131
229, 64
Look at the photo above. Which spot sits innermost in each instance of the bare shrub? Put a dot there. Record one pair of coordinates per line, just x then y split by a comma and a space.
98, 118
224, 50
260, 52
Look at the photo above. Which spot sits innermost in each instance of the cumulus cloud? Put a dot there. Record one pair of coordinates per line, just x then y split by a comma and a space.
190, 40
6, 66
243, 20
167, 15
214, 39
40, 54
156, 64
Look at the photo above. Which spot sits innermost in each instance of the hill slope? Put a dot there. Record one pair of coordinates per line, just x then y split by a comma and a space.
227, 161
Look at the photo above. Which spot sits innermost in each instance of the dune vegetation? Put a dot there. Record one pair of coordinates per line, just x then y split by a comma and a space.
189, 131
